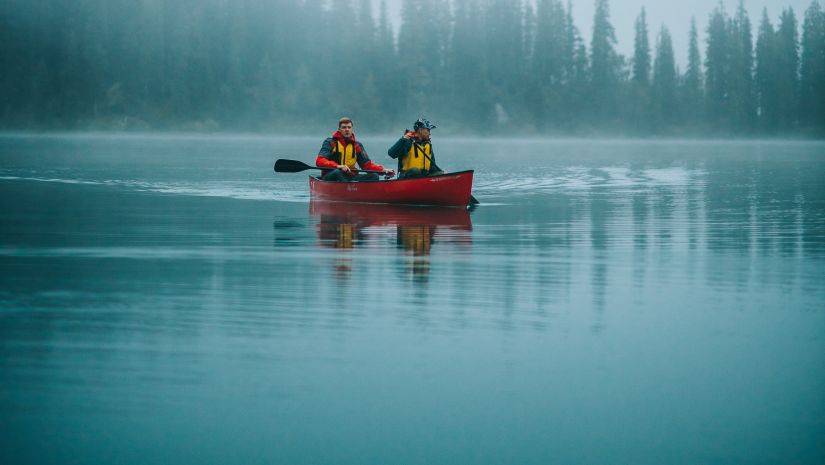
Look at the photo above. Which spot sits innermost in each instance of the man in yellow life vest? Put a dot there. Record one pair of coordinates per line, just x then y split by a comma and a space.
340, 153
414, 151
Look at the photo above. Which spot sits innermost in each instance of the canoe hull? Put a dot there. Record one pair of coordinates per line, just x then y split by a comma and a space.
451, 189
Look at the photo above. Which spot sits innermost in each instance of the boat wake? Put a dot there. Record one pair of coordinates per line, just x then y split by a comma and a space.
579, 179
244, 190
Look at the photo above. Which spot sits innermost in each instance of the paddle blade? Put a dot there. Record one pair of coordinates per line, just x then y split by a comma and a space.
290, 166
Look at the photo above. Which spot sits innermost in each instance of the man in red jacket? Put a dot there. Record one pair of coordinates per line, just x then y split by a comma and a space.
341, 152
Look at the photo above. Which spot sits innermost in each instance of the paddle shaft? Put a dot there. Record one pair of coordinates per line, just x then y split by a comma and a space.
295, 166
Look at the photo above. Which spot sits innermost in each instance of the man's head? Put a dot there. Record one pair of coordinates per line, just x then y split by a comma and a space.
422, 128
345, 127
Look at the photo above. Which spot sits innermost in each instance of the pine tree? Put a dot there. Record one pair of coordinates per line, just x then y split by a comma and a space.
664, 80
386, 70
787, 69
641, 52
717, 68
576, 67
365, 101
766, 62
812, 70
639, 89
468, 90
442, 21
342, 14
604, 64
742, 100
385, 39
692, 92
549, 57
548, 63
571, 36
417, 47
311, 81
529, 85
504, 37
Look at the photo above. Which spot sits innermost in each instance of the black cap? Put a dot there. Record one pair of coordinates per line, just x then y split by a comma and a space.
423, 123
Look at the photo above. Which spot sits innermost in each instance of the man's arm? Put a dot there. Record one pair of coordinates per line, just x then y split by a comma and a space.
399, 148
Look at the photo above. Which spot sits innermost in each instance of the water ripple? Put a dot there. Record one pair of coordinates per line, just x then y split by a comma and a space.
577, 179
227, 189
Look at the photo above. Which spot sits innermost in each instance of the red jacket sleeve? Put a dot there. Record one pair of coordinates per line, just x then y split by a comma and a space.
323, 162
372, 166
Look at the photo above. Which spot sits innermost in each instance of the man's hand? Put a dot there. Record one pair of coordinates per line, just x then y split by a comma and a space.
389, 173
407, 136
345, 169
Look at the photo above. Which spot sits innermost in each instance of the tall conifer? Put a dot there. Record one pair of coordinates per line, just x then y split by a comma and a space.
604, 64
812, 69
743, 104
766, 62
549, 63
571, 36
638, 105
664, 79
717, 68
641, 51
469, 97
787, 69
692, 91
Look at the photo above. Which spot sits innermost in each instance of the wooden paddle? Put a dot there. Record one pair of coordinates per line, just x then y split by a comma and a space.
295, 166
473, 201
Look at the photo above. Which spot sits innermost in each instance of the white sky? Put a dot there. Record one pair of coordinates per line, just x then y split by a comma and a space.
675, 14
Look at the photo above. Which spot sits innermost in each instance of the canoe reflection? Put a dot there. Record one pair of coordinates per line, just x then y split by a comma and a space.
415, 229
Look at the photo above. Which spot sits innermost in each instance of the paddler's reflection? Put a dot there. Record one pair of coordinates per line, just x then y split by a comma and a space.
340, 231
417, 240
338, 235
350, 225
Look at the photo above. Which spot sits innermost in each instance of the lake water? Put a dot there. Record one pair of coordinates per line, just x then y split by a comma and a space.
173, 300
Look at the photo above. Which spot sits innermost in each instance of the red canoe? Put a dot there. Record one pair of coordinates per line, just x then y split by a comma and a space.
451, 189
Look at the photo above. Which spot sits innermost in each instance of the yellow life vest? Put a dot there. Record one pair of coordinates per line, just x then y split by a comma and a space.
344, 154
345, 236
416, 239
416, 158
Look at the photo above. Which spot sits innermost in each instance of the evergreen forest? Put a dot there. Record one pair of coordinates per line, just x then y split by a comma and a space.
472, 66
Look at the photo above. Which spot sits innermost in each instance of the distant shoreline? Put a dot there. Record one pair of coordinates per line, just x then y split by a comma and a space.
228, 135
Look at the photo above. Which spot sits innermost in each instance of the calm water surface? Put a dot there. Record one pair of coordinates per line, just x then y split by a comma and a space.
172, 300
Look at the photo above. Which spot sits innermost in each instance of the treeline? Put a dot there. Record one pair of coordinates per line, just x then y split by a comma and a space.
490, 66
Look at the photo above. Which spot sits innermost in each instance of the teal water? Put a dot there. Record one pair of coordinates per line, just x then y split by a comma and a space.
170, 299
